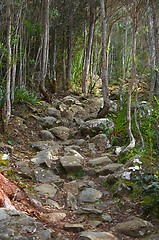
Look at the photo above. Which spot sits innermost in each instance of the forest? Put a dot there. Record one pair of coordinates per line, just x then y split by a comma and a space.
87, 48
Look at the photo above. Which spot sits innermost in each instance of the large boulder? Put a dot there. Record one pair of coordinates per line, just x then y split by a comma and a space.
134, 228
19, 226
95, 126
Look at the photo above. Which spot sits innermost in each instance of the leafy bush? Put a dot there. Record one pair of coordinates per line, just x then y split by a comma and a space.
24, 96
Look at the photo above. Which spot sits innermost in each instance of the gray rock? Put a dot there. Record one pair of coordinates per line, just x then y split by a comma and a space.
46, 176
24, 169
71, 187
46, 190
152, 237
90, 195
47, 122
94, 223
46, 135
113, 107
61, 237
61, 132
53, 112
93, 127
79, 142
109, 169
43, 145
71, 201
92, 210
54, 217
106, 218
53, 204
101, 161
71, 163
135, 228
44, 157
101, 141
69, 100
76, 227
89, 235
16, 225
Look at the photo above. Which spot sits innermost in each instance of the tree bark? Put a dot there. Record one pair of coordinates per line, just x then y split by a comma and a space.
104, 71
6, 111
88, 49
45, 49
156, 38
69, 50
151, 48
133, 79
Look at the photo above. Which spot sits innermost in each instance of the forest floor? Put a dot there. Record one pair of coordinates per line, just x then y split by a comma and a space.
23, 130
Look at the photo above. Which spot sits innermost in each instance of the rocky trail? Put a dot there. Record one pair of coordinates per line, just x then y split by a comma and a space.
60, 165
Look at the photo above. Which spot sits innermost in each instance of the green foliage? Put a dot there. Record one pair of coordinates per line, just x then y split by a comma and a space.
34, 29
119, 134
77, 67
77, 174
24, 96
2, 97
148, 184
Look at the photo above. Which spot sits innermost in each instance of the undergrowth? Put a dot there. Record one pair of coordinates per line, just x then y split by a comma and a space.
144, 184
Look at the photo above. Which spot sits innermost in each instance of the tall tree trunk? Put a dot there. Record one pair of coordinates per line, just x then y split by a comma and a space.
104, 71
69, 50
6, 111
151, 48
54, 55
156, 38
45, 49
133, 79
88, 48
124, 58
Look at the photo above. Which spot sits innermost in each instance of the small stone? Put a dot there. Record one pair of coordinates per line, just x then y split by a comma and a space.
76, 227
47, 122
89, 235
106, 218
61, 132
109, 169
46, 135
100, 161
53, 112
94, 223
90, 195
71, 187
71, 201
54, 217
43, 158
46, 190
71, 163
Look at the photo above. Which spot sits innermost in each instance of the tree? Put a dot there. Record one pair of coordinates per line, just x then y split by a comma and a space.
104, 70
88, 49
6, 111
45, 48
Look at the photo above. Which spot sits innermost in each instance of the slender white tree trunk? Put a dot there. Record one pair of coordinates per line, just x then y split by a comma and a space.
104, 71
133, 79
151, 48
6, 112
88, 49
